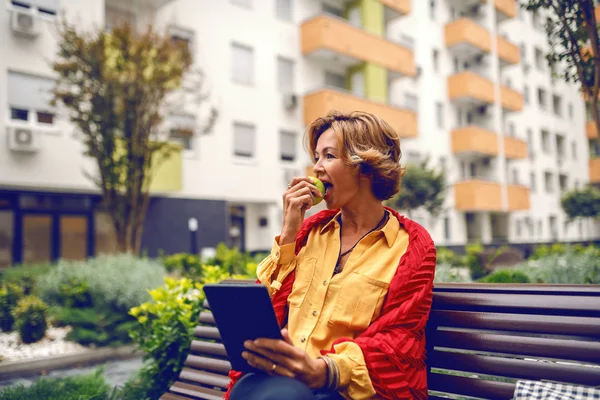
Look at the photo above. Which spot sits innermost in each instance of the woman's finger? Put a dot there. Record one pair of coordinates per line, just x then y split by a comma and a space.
267, 365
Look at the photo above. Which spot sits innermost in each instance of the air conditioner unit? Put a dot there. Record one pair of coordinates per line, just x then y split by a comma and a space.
290, 101
25, 22
23, 139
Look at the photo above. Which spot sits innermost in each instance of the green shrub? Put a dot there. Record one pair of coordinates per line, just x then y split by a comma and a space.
85, 387
10, 294
449, 257
119, 281
449, 273
25, 276
506, 276
75, 293
561, 248
165, 330
570, 267
233, 261
474, 260
30, 318
183, 264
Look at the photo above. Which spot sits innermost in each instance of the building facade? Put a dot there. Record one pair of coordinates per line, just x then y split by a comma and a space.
464, 82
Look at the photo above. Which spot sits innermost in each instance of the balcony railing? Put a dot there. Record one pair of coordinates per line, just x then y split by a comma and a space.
595, 170
478, 195
471, 87
509, 53
515, 148
466, 32
473, 139
511, 99
518, 197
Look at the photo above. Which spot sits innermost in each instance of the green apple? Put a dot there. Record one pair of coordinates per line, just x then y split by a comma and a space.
317, 182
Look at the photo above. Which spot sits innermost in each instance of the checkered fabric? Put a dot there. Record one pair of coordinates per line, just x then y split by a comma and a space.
534, 390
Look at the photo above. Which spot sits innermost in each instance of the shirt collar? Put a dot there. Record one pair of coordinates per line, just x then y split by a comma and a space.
390, 229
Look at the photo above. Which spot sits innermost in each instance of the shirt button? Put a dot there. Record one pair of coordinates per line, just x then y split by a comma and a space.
324, 283
277, 254
314, 313
303, 340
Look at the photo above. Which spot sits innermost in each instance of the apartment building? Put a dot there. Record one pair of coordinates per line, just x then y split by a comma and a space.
463, 81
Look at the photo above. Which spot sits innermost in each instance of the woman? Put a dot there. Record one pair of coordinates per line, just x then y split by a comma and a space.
351, 285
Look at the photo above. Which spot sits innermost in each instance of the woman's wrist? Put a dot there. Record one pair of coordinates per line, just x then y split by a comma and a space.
321, 374
332, 374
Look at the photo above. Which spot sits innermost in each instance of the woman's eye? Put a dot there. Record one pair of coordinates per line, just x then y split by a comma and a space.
330, 156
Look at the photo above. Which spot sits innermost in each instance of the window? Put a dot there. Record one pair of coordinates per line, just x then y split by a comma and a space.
335, 80
553, 227
242, 64
557, 105
46, 7
532, 181
181, 35
29, 98
530, 145
518, 228
526, 94
515, 177
283, 10
285, 75
570, 111
411, 101
244, 138
561, 150
548, 182
511, 129
542, 98
540, 228
574, 150
447, 228
546, 141
439, 112
563, 182
432, 9
242, 3
539, 59
182, 130
523, 51
287, 145
436, 60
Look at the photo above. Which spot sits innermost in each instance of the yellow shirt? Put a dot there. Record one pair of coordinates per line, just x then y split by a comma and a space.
323, 307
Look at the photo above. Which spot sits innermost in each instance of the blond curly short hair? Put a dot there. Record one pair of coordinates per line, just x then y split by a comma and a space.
367, 143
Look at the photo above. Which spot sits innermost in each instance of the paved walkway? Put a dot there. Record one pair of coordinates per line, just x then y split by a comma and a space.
116, 372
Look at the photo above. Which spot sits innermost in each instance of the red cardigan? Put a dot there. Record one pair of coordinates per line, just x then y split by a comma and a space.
394, 344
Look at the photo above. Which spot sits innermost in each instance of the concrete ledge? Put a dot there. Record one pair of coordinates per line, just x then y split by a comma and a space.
23, 368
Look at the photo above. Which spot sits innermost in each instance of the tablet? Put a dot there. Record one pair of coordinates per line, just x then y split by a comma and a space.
242, 312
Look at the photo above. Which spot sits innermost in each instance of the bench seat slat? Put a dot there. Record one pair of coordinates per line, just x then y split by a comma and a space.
525, 303
587, 351
513, 368
580, 326
200, 347
204, 378
196, 392
207, 332
172, 396
491, 390
206, 317
208, 364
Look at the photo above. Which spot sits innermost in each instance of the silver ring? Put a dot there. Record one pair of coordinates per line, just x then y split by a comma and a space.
289, 186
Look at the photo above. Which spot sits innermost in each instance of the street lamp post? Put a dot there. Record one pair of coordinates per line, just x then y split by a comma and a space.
193, 228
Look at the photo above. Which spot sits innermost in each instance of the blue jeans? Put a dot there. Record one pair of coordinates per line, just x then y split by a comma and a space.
259, 386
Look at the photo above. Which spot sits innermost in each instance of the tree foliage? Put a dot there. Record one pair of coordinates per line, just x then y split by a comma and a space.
422, 187
572, 32
582, 203
117, 87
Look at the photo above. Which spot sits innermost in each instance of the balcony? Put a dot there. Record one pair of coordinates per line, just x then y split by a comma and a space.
467, 38
332, 39
470, 89
505, 9
595, 170
478, 195
319, 103
590, 130
474, 140
511, 99
139, 5
515, 149
508, 53
518, 197
395, 8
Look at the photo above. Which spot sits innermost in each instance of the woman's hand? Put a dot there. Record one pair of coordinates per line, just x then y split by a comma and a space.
281, 357
296, 200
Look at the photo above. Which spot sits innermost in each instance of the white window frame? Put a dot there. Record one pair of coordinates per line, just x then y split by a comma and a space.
251, 129
248, 80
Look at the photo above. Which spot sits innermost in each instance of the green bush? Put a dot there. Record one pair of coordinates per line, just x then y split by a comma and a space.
560, 249
165, 330
233, 261
183, 264
474, 260
506, 276
85, 387
25, 276
445, 273
75, 293
10, 294
449, 257
30, 318
119, 281
570, 267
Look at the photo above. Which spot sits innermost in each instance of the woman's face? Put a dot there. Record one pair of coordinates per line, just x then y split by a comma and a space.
342, 183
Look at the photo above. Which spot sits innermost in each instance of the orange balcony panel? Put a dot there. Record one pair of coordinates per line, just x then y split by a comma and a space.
318, 104
465, 31
325, 33
595, 170
478, 195
515, 148
508, 52
597, 12
470, 87
505, 9
590, 130
473, 139
518, 197
402, 7
511, 99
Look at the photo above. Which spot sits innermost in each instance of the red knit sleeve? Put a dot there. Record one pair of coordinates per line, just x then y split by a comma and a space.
394, 345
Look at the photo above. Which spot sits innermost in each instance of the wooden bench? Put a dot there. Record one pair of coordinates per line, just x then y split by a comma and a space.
481, 339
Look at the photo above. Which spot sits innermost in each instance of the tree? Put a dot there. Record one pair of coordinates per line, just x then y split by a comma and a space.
572, 32
421, 187
117, 87
582, 203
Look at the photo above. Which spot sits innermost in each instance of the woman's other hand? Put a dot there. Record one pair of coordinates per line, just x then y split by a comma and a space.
296, 200
281, 357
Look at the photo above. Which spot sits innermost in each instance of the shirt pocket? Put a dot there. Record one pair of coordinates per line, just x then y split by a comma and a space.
305, 272
358, 301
